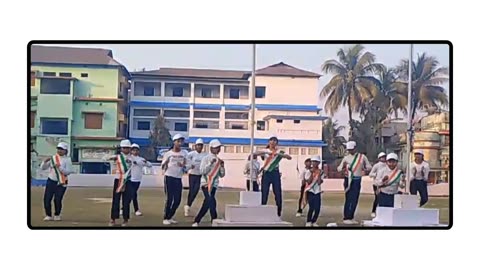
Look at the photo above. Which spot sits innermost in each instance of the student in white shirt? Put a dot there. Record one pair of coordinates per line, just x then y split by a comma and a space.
137, 173
388, 180
60, 167
212, 169
382, 162
256, 171
174, 166
419, 176
354, 165
194, 158
308, 166
313, 179
122, 185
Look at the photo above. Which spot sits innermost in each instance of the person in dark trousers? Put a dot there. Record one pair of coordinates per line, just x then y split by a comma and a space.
122, 186
373, 173
354, 165
313, 181
194, 158
60, 166
212, 169
419, 176
247, 172
388, 180
174, 167
271, 172
308, 166
137, 173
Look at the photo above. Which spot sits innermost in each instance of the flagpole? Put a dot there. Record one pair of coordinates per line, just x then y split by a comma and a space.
252, 116
409, 119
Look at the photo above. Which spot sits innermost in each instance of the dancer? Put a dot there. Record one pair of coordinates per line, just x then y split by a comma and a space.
313, 179
212, 169
353, 165
378, 166
60, 167
388, 179
174, 166
271, 172
419, 176
137, 173
194, 158
308, 165
247, 173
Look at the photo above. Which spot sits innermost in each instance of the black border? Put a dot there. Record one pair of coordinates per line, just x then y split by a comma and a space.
340, 42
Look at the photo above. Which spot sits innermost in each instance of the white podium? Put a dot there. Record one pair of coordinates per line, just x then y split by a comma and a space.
250, 212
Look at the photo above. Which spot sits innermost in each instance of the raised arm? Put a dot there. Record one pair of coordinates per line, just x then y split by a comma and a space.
340, 167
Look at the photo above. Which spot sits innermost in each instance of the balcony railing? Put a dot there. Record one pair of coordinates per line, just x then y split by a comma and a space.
300, 131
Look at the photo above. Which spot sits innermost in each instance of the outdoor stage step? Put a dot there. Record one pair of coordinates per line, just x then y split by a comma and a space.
224, 223
388, 216
245, 213
406, 201
250, 198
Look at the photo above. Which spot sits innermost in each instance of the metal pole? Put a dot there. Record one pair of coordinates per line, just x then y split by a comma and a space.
409, 118
252, 116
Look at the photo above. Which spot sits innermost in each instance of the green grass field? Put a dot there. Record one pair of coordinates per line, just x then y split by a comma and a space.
84, 207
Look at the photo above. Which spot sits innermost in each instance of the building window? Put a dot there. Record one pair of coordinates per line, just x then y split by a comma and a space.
238, 149
279, 120
313, 151
303, 151
246, 149
181, 126
205, 114
235, 93
65, 74
49, 74
176, 114
236, 115
143, 125
296, 121
95, 167
260, 125
84, 75
145, 112
93, 120
32, 78
293, 151
229, 149
177, 92
55, 86
33, 115
260, 92
54, 126
148, 91
206, 93
236, 125
206, 124
75, 154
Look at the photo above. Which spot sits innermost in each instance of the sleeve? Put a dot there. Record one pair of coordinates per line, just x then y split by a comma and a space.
307, 175
412, 174
189, 161
367, 164
148, 164
373, 172
205, 165
427, 170
68, 168
45, 165
301, 176
340, 167
378, 178
166, 156
222, 172
108, 157
245, 168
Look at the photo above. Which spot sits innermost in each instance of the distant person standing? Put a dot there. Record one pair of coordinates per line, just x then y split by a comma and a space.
354, 165
419, 176
382, 162
247, 172
138, 163
308, 165
313, 181
194, 158
389, 179
174, 165
60, 167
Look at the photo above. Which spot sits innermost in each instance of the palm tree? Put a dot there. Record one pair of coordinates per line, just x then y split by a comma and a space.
353, 82
428, 79
331, 135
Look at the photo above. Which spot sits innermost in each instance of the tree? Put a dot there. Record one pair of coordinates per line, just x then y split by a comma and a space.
428, 79
353, 82
159, 136
335, 142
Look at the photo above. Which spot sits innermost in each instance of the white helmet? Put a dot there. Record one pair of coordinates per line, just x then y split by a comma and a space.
199, 141
62, 145
351, 145
178, 137
125, 143
382, 154
418, 151
316, 158
135, 146
392, 156
215, 143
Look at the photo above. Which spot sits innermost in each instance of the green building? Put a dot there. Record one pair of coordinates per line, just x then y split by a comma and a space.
78, 96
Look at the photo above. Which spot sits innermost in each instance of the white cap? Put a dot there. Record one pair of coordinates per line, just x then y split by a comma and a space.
215, 143
351, 145
199, 141
62, 145
125, 143
418, 151
392, 156
177, 137
316, 158
382, 154
136, 146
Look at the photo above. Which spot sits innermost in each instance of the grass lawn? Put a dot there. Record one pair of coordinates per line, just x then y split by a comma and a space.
83, 207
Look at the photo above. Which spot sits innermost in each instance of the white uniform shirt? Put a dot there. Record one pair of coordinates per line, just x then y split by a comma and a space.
416, 171
316, 188
65, 167
128, 160
174, 158
266, 154
247, 169
377, 167
137, 169
359, 172
206, 166
195, 159
302, 174
392, 189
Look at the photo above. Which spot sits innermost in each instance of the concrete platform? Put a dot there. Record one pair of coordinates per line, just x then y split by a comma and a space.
406, 201
388, 216
246, 213
371, 223
224, 223
250, 198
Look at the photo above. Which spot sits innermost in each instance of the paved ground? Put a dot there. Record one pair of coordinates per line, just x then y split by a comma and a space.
85, 207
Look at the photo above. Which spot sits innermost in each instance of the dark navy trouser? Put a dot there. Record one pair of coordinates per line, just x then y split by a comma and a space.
272, 178
173, 193
193, 187
419, 185
125, 197
385, 200
53, 191
351, 197
209, 203
314, 204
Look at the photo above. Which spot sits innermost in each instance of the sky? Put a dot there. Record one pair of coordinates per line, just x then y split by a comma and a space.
239, 57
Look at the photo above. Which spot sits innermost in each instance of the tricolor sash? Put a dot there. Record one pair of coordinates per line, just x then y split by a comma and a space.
272, 161
214, 173
62, 178
357, 161
394, 177
123, 172
317, 176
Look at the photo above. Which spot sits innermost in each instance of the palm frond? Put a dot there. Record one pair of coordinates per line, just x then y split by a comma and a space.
335, 82
334, 67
